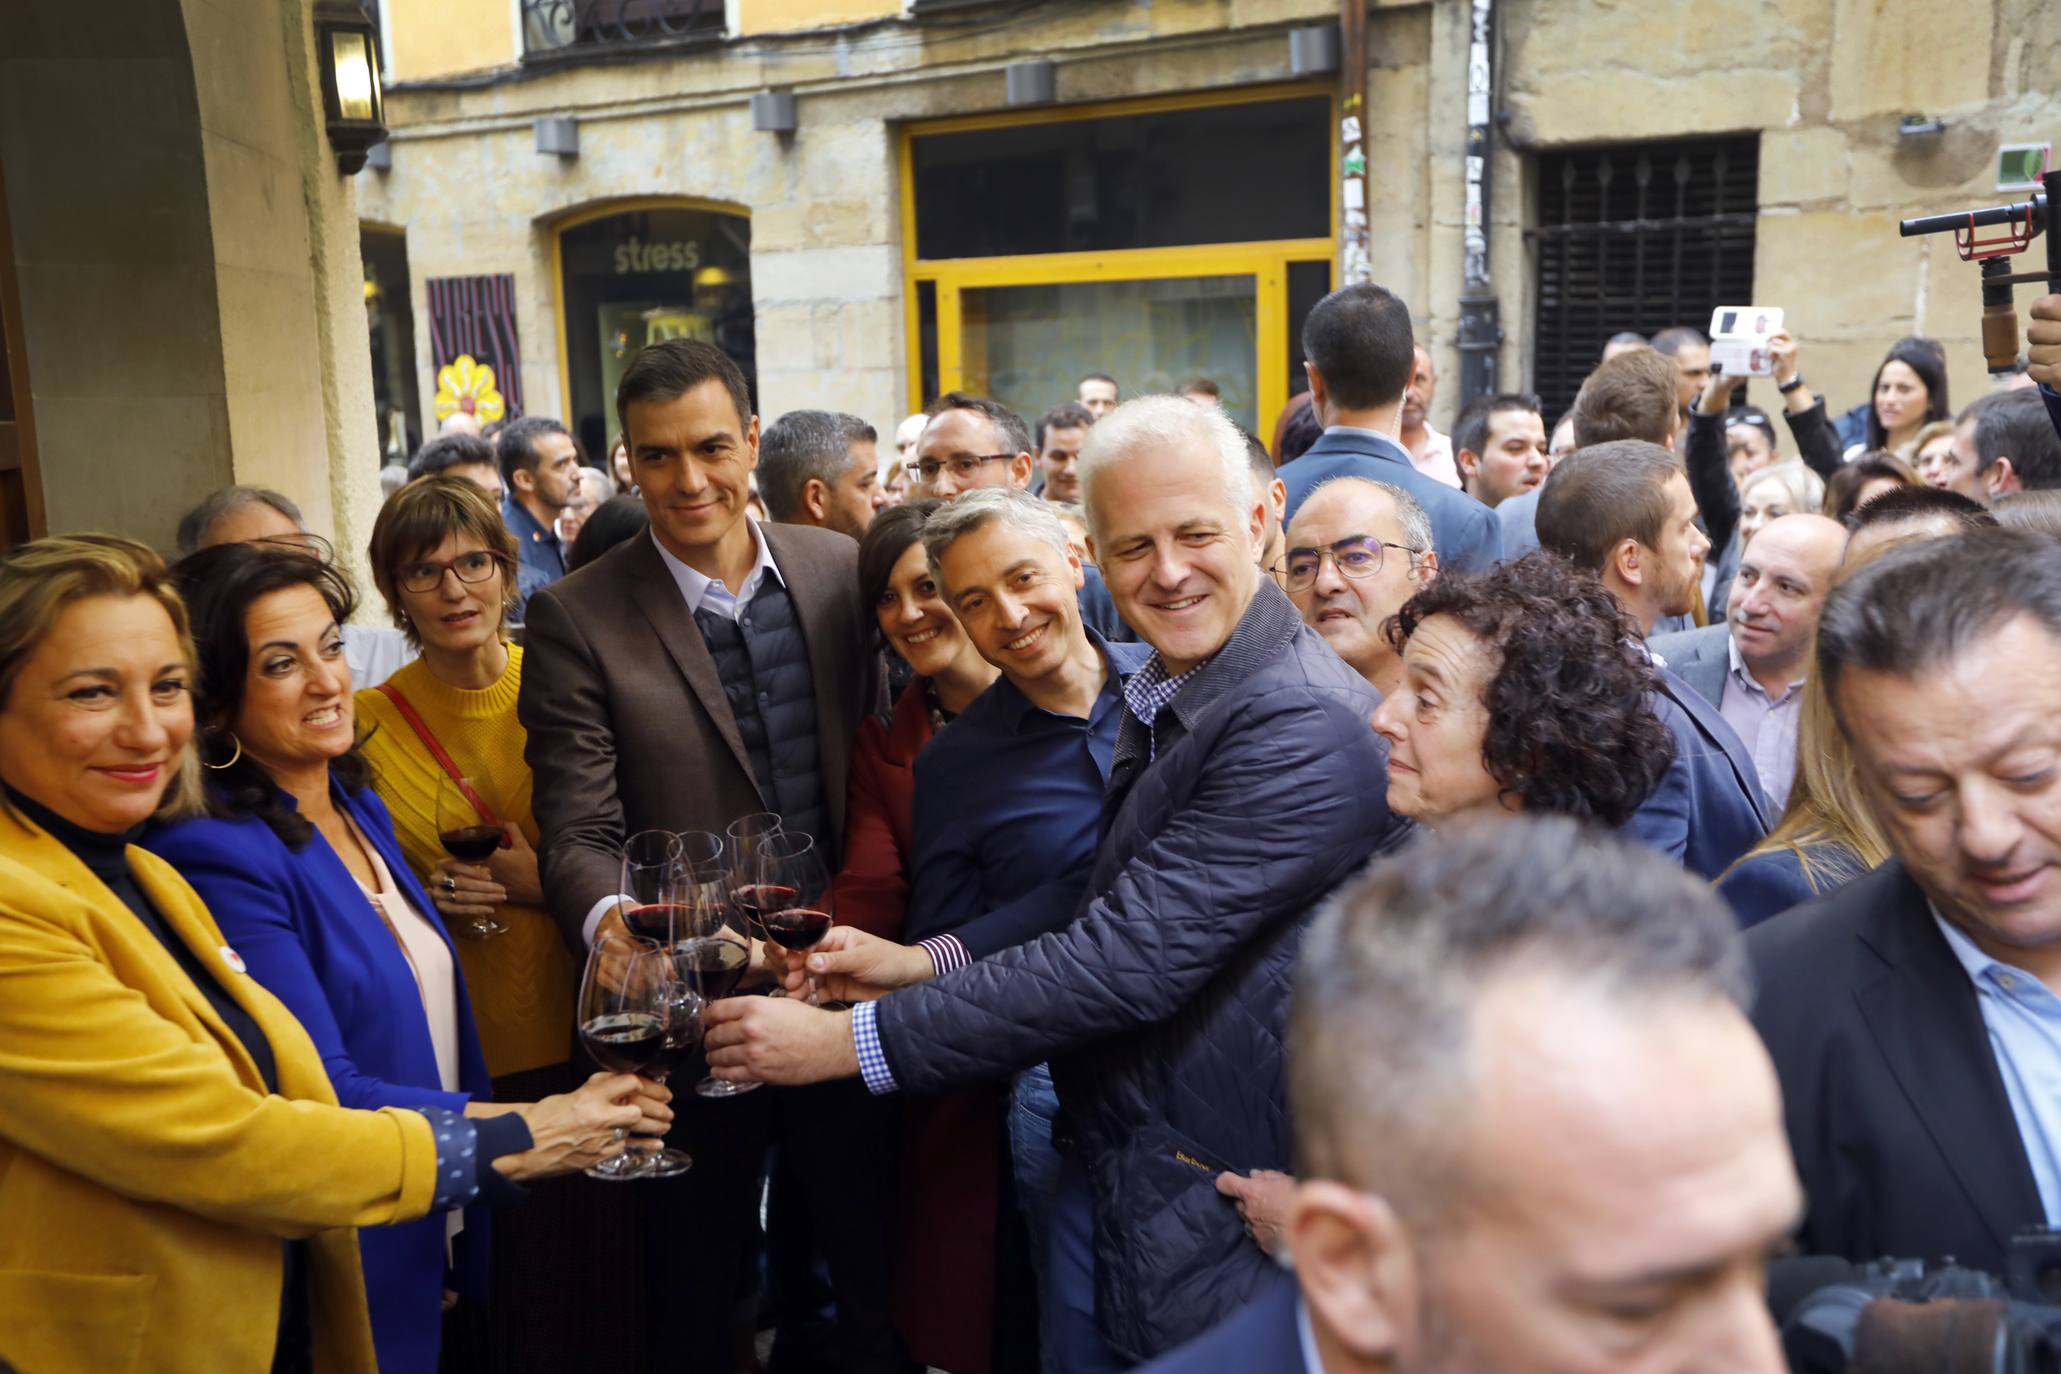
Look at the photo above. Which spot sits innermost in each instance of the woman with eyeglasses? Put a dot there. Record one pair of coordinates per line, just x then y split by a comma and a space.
179, 1188
298, 862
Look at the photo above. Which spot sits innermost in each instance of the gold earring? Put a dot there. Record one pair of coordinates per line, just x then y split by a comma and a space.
231, 762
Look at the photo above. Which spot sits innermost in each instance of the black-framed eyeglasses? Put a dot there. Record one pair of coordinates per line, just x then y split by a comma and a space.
426, 575
1355, 558
962, 465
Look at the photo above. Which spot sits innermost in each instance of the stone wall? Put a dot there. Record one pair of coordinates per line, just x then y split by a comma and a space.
1823, 82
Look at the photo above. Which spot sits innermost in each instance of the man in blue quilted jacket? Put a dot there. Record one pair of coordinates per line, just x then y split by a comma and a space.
1246, 785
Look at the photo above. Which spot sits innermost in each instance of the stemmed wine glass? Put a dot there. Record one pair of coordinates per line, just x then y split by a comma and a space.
652, 879
622, 1017
794, 900
468, 836
714, 961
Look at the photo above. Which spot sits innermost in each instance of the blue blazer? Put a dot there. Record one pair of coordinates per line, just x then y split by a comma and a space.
1708, 809
1262, 1335
309, 936
1464, 532
1769, 884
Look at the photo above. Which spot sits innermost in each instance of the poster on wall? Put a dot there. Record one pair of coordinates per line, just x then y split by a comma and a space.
474, 318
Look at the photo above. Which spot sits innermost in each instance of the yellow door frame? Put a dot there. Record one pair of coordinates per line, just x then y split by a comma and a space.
1266, 261
556, 225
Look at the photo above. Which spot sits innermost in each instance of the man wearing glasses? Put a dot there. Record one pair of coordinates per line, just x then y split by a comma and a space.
973, 442
1357, 550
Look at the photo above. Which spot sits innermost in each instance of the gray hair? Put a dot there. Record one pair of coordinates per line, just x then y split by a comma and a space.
1415, 522
1806, 489
1166, 422
1381, 1029
804, 444
1028, 514
195, 524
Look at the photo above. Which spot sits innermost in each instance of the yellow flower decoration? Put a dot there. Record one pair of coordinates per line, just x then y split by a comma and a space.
467, 385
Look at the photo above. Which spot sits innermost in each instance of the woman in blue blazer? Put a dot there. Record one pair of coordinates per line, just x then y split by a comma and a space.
298, 862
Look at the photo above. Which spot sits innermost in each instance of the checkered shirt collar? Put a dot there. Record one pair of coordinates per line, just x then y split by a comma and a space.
1148, 691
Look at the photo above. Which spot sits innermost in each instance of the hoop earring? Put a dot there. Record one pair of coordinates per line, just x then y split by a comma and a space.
230, 762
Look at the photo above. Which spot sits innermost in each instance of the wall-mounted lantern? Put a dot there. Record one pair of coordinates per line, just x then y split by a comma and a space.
347, 52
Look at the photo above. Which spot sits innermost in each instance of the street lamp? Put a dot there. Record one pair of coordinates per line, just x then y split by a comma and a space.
348, 54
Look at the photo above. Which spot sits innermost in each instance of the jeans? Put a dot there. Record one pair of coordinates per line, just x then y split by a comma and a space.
1075, 1345
1033, 1105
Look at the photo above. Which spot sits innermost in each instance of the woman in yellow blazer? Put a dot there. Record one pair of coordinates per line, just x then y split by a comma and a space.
177, 1185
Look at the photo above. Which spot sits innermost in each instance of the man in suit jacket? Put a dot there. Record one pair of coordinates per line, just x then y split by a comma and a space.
1622, 510
1422, 1086
1910, 1014
713, 669
1361, 353
1751, 665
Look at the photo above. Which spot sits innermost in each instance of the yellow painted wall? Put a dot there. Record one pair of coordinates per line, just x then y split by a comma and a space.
787, 16
433, 38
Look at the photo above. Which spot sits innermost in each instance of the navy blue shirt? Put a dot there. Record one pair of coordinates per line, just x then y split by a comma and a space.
536, 545
1008, 812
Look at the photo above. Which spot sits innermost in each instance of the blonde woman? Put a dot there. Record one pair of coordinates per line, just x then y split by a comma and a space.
1826, 838
178, 1183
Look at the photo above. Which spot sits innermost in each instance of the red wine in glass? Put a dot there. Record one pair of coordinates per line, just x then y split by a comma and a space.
757, 902
797, 927
713, 967
626, 1042
660, 921
471, 844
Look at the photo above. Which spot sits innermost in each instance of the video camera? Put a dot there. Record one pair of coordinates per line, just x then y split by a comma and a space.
1908, 1317
2021, 223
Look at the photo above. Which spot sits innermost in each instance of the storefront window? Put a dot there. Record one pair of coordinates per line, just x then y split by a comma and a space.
641, 276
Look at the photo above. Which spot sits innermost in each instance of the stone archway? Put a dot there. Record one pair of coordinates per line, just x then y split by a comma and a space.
187, 253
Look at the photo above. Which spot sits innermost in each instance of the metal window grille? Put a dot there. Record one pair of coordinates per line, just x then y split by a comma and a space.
1638, 236
571, 28
476, 316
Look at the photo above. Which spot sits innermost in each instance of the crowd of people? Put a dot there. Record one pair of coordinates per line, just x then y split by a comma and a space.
1136, 859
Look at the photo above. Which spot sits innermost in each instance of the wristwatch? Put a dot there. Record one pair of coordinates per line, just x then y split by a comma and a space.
1792, 384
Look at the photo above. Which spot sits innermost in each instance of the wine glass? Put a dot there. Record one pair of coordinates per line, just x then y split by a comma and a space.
702, 863
657, 909
793, 898
713, 966
622, 1018
469, 836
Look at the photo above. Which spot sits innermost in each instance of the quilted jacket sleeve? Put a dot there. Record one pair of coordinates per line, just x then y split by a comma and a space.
1288, 803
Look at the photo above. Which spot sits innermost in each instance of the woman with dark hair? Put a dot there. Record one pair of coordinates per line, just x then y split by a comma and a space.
1862, 480
179, 1183
298, 862
609, 524
1908, 393
1522, 691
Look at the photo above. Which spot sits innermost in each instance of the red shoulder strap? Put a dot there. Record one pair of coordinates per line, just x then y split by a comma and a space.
436, 751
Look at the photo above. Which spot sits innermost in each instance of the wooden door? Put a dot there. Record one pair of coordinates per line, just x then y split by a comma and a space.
21, 492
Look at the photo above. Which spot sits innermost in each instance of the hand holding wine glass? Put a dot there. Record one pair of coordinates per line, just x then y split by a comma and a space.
622, 1020
793, 900
573, 1131
469, 833
851, 965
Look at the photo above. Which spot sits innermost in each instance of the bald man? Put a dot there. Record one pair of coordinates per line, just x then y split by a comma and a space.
1752, 667
1355, 552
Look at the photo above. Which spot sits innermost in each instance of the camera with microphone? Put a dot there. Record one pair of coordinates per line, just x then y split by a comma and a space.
1903, 1316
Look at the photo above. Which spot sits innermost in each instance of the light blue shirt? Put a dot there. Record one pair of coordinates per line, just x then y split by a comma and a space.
699, 591
1312, 1362
2023, 1017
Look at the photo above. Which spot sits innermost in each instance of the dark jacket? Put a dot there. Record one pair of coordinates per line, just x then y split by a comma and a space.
1903, 1134
1708, 809
1262, 1335
1464, 532
310, 937
1164, 1005
1771, 883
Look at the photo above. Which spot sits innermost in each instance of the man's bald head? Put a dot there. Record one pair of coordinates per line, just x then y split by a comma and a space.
1780, 588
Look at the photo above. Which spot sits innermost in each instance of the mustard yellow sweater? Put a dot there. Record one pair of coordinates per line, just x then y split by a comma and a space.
522, 980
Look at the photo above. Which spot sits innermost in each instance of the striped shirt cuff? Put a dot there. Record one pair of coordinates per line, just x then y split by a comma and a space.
947, 954
872, 1059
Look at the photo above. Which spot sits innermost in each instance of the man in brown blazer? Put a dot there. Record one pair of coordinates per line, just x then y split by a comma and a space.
715, 668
